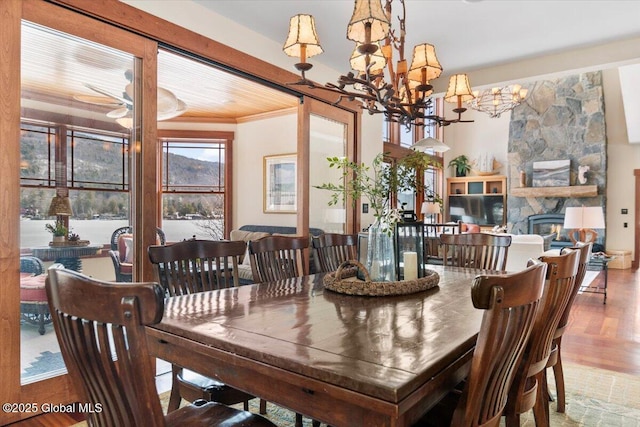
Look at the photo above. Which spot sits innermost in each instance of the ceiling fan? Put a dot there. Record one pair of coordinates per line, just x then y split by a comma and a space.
169, 105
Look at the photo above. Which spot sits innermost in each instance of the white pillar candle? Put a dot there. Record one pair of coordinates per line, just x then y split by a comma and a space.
410, 265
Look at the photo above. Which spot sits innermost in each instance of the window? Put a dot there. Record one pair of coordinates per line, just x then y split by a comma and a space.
94, 159
193, 187
92, 167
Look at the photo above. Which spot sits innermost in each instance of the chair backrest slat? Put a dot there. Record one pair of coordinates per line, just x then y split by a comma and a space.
197, 265
278, 257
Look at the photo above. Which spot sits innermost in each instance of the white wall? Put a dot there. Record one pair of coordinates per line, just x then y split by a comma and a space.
253, 141
623, 158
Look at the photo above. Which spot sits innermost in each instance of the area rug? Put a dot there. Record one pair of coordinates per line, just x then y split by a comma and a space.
45, 362
595, 397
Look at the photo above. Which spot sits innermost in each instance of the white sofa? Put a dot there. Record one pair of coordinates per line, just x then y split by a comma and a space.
523, 248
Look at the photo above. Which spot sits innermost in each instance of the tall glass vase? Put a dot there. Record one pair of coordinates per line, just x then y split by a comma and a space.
381, 254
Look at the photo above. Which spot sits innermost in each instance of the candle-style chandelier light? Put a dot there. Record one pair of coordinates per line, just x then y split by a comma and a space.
403, 93
498, 100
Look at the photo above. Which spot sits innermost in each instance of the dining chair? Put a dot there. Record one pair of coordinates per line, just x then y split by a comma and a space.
555, 358
332, 249
528, 390
510, 303
476, 250
189, 267
105, 350
278, 257
431, 236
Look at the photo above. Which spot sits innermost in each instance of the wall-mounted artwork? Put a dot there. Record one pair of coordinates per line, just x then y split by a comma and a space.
552, 173
280, 184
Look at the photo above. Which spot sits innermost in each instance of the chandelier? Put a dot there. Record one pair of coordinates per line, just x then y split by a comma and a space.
403, 93
498, 100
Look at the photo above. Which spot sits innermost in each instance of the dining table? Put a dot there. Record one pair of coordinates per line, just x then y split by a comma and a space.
345, 360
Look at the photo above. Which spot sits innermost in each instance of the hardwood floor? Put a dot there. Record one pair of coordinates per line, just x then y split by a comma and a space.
605, 336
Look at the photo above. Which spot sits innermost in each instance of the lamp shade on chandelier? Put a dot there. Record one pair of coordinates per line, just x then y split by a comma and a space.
401, 92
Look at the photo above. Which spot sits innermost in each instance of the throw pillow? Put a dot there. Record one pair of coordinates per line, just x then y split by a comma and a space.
128, 257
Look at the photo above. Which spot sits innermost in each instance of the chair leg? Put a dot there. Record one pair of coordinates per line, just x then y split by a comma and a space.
174, 397
41, 318
298, 420
315, 423
512, 420
263, 406
246, 405
541, 407
558, 374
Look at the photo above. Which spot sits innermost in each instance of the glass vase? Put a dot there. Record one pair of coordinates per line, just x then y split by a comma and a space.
381, 254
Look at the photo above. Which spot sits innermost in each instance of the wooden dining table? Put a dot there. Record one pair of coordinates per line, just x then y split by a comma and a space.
344, 360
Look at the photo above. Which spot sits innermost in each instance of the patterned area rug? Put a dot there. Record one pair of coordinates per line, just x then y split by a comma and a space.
595, 397
45, 362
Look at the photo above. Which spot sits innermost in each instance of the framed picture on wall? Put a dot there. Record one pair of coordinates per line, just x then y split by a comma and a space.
280, 187
551, 173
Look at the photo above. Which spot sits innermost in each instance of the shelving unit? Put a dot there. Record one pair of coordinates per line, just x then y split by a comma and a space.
463, 192
492, 184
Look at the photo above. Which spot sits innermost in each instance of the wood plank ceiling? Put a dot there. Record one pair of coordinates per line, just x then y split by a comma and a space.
56, 70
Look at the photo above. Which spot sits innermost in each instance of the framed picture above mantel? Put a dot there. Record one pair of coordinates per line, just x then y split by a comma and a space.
551, 173
279, 181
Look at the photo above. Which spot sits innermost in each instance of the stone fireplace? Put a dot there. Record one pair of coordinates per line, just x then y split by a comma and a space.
561, 119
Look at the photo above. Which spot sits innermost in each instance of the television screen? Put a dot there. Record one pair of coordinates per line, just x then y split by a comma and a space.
477, 209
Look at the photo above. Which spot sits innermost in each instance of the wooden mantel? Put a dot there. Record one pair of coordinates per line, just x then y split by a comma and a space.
571, 191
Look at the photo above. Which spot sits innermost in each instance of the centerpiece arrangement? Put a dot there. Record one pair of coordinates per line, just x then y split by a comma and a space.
62, 236
377, 182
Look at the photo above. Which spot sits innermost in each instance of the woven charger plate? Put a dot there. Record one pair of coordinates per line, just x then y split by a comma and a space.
344, 281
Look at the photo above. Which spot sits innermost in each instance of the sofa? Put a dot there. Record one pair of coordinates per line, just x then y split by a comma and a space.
523, 248
255, 232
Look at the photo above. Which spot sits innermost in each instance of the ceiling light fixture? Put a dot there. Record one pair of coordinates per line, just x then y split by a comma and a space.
403, 93
430, 143
498, 100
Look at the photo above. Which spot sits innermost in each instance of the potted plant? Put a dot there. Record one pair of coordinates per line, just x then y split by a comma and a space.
58, 230
461, 165
376, 182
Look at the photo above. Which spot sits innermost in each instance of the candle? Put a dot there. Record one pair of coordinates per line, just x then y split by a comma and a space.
410, 265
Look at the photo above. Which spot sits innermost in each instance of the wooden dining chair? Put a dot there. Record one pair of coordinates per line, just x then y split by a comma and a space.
476, 250
511, 304
555, 358
528, 390
278, 257
189, 267
101, 330
431, 235
332, 249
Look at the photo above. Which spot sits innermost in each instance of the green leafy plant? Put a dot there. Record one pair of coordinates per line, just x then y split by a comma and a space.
376, 182
57, 229
73, 237
461, 165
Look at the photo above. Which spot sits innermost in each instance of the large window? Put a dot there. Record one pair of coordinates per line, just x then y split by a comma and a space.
193, 187
93, 167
